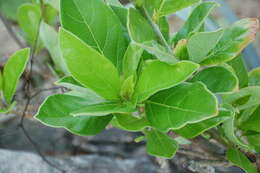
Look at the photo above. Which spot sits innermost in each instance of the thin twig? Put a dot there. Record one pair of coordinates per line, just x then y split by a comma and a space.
11, 31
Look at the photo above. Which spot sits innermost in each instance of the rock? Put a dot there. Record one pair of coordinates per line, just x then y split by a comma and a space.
25, 162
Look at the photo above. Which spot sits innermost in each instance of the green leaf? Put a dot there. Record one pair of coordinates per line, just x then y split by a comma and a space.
239, 159
166, 7
181, 51
193, 130
157, 76
50, 14
218, 79
128, 88
158, 51
200, 44
130, 122
233, 41
29, 18
230, 133
254, 140
9, 8
253, 122
244, 98
161, 145
89, 67
121, 13
181, 105
254, 77
54, 3
102, 109
164, 27
72, 84
1, 82
96, 24
240, 69
49, 38
131, 60
13, 70
114, 2
139, 29
195, 20
56, 109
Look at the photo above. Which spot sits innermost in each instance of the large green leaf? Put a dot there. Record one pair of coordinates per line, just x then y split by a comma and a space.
253, 122
254, 77
239, 159
233, 41
96, 24
200, 44
181, 105
102, 109
161, 145
166, 7
49, 38
139, 29
13, 70
130, 122
193, 130
195, 20
29, 17
239, 66
157, 76
89, 67
158, 51
56, 109
131, 60
218, 79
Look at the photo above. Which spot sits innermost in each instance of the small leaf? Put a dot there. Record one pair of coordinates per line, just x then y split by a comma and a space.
114, 2
102, 109
240, 69
181, 51
139, 29
49, 38
13, 70
131, 123
96, 24
131, 60
195, 20
239, 159
254, 140
193, 130
56, 109
157, 76
233, 41
254, 77
218, 79
161, 145
183, 104
200, 44
164, 26
128, 87
158, 51
253, 122
29, 17
89, 67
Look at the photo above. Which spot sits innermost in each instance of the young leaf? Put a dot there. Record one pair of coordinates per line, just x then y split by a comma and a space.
127, 88
218, 79
13, 70
139, 29
200, 44
89, 67
239, 66
96, 24
253, 122
193, 130
102, 109
158, 51
72, 84
130, 123
49, 38
131, 60
161, 145
254, 77
157, 76
181, 51
181, 105
239, 159
56, 109
233, 41
29, 17
195, 20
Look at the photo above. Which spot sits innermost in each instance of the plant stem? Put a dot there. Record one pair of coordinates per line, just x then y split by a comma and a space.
155, 28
